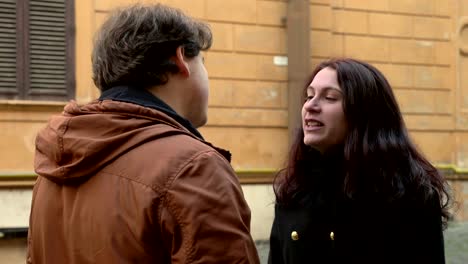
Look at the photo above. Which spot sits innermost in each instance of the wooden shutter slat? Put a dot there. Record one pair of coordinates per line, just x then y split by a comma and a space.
8, 73
47, 45
53, 1
42, 56
6, 51
49, 38
50, 44
11, 74
46, 24
42, 8
6, 30
7, 15
7, 35
7, 22
56, 4
48, 92
8, 58
54, 30
47, 52
8, 45
47, 60
7, 38
48, 67
46, 4
44, 62
7, 80
48, 86
4, 88
7, 5
43, 28
50, 20
49, 79
48, 14
46, 71
3, 63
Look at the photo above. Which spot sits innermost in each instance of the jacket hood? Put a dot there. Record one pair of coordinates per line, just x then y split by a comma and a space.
84, 139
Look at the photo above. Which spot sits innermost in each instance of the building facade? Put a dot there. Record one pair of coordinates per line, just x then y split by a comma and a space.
261, 53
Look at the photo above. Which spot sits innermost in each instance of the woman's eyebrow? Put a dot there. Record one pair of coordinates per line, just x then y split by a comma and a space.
326, 88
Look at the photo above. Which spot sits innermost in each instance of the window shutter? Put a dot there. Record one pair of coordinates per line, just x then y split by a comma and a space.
47, 47
8, 46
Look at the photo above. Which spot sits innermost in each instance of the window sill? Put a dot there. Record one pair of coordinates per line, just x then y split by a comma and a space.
22, 104
17, 179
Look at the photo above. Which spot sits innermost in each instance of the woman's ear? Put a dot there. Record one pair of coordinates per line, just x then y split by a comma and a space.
180, 60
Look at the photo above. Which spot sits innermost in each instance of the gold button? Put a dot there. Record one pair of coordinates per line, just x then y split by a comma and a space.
332, 235
294, 235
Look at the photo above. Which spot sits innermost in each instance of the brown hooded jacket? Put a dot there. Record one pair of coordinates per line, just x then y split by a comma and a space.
122, 183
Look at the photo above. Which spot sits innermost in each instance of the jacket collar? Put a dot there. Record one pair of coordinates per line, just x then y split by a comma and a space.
144, 98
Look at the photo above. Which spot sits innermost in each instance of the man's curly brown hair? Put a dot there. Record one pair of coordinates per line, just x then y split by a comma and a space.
134, 45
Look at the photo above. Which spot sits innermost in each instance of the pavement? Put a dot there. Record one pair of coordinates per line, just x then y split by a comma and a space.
456, 244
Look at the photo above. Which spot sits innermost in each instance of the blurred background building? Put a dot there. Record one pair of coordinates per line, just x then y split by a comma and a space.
262, 51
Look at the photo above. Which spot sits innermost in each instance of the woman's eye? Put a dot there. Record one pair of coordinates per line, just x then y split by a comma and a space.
330, 98
308, 98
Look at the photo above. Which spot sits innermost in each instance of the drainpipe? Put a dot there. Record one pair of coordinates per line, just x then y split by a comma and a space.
298, 34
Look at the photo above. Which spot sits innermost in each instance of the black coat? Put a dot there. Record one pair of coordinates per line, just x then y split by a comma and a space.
364, 231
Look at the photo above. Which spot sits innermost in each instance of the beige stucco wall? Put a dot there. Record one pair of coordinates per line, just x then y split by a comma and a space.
420, 45
415, 43
248, 95
13, 251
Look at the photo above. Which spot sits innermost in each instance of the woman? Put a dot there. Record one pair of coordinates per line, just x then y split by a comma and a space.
356, 189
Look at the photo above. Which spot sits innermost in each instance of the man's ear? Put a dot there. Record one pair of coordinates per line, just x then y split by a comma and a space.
180, 60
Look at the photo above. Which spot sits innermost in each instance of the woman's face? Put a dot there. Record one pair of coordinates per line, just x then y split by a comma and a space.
323, 118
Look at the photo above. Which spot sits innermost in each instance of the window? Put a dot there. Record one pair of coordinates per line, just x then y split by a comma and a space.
37, 50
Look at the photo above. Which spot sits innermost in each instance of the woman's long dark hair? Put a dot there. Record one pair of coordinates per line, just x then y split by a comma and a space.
379, 156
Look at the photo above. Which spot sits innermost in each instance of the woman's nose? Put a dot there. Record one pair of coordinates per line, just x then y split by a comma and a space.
313, 104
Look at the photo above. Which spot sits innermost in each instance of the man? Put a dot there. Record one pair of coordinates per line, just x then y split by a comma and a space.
128, 178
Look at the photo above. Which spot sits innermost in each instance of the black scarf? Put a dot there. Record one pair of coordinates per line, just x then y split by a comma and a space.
144, 98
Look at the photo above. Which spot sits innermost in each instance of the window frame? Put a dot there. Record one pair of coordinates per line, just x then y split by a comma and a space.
23, 89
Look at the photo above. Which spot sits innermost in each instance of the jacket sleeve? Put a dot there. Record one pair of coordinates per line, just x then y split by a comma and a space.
274, 255
204, 216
